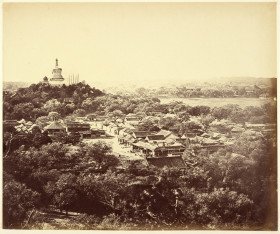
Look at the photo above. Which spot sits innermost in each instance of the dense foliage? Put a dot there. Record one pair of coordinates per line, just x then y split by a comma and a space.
227, 89
229, 189
221, 191
39, 99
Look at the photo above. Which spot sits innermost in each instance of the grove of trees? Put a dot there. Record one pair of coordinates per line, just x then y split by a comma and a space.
233, 188
224, 191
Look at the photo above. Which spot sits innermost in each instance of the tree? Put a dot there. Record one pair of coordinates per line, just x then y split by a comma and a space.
53, 105
53, 115
37, 112
99, 156
66, 138
105, 192
22, 111
40, 139
87, 104
141, 91
200, 110
149, 124
43, 121
227, 207
64, 192
69, 108
246, 143
206, 120
18, 201
168, 121
225, 111
15, 141
116, 114
79, 112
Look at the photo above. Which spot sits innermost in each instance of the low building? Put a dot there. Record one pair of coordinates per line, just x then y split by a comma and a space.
82, 128
175, 149
100, 118
132, 120
55, 128
95, 133
144, 148
141, 134
80, 119
155, 139
168, 135
152, 150
125, 131
126, 140
210, 145
175, 161
118, 129
252, 89
194, 132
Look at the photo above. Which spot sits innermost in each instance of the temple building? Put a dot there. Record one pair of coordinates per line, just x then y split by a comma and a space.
57, 78
45, 80
55, 128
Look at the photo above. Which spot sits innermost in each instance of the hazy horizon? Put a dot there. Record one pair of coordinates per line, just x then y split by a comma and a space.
111, 44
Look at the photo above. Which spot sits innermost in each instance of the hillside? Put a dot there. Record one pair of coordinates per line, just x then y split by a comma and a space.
38, 99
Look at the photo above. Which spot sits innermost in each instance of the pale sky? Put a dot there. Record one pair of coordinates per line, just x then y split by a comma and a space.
116, 43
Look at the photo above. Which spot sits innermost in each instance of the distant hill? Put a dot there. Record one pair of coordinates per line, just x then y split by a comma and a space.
248, 80
14, 86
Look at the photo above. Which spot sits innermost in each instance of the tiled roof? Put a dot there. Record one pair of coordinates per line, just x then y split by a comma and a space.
145, 145
209, 141
78, 124
55, 125
175, 145
141, 134
165, 133
183, 137
155, 137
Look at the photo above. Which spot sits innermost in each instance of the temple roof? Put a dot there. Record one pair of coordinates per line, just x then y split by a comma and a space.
155, 137
55, 125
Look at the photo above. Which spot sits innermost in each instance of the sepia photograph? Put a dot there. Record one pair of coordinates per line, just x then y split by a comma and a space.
139, 116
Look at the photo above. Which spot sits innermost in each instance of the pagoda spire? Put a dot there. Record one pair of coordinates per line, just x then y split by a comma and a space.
57, 77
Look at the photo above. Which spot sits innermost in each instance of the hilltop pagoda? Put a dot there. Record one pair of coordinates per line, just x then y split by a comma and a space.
57, 78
